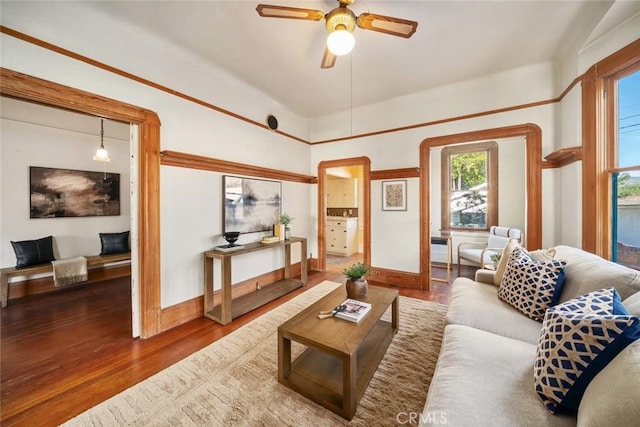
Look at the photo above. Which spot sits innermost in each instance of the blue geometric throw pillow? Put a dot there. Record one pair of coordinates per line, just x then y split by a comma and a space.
578, 339
531, 286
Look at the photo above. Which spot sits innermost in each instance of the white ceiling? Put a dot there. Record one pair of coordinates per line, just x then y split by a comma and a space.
455, 41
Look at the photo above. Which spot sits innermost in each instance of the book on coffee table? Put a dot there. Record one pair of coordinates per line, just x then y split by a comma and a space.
354, 310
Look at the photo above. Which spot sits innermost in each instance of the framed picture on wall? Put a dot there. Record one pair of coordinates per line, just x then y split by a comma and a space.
394, 195
72, 193
250, 205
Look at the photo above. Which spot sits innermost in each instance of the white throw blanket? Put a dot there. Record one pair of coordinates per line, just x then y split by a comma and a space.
69, 271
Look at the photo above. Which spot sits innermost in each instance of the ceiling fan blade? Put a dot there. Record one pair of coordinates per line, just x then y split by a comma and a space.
387, 24
269, 11
328, 59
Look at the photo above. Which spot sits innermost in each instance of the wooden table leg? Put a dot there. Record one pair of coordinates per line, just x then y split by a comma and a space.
349, 385
303, 262
5, 290
208, 284
395, 314
284, 357
225, 309
287, 261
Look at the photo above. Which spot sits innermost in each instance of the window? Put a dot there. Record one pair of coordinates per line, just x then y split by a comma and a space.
625, 169
605, 153
470, 186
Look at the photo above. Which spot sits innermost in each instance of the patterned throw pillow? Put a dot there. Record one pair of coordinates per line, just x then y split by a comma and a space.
531, 286
578, 339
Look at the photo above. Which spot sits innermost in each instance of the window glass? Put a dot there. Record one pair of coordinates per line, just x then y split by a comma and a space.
626, 183
629, 120
468, 190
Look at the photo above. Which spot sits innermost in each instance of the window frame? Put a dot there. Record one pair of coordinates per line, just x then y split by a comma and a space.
491, 147
614, 169
599, 144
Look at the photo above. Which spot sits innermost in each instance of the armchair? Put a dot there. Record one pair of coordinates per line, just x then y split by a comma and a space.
480, 253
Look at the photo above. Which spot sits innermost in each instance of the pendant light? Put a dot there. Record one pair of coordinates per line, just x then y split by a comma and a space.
101, 153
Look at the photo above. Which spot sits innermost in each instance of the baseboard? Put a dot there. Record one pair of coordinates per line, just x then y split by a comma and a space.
401, 279
185, 311
45, 284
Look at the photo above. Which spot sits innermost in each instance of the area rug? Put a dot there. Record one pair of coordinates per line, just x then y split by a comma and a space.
233, 382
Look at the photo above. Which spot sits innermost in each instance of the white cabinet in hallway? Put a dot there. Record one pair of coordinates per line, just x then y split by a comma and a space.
342, 236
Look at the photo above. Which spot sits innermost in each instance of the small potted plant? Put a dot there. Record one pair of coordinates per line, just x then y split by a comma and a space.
356, 284
286, 219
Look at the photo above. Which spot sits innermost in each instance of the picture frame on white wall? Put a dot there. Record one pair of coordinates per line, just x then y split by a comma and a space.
394, 195
55, 192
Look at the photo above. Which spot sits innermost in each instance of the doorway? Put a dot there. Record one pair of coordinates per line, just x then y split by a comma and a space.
343, 214
147, 255
30, 130
344, 230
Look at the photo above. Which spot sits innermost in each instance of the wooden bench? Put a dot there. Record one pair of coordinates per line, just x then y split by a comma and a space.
93, 261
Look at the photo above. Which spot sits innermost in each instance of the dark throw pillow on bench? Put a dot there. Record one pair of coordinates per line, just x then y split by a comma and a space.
114, 243
33, 252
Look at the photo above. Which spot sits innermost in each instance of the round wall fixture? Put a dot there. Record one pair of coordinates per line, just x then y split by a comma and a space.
272, 122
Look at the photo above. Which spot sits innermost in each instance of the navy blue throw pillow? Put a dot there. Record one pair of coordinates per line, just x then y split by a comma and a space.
33, 252
114, 243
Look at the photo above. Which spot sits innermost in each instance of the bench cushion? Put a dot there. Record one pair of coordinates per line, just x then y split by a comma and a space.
33, 252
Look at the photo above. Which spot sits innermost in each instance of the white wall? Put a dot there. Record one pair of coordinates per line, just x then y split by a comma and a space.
189, 222
402, 150
28, 137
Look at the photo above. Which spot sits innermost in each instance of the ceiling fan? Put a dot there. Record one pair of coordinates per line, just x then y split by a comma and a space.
340, 22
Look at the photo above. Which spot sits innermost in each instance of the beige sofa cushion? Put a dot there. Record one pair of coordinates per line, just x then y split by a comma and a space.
483, 379
613, 396
633, 304
477, 305
586, 272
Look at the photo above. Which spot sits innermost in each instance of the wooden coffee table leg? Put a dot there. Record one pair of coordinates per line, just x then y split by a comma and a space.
284, 357
395, 314
349, 385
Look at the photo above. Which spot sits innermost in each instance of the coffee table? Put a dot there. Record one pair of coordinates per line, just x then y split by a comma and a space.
340, 356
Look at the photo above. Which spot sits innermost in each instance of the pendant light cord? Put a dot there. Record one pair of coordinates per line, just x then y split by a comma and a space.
351, 97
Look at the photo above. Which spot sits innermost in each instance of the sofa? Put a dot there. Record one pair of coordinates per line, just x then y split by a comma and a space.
485, 371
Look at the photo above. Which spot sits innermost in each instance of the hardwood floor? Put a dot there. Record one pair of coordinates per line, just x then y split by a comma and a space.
66, 351
337, 263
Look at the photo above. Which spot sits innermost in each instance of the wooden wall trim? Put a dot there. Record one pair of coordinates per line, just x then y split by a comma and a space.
441, 121
395, 173
125, 74
193, 161
401, 279
41, 43
597, 141
562, 157
32, 89
533, 138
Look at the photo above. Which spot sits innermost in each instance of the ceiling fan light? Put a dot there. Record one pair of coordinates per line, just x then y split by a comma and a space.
340, 42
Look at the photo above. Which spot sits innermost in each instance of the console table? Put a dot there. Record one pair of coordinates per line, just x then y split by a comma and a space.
230, 308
